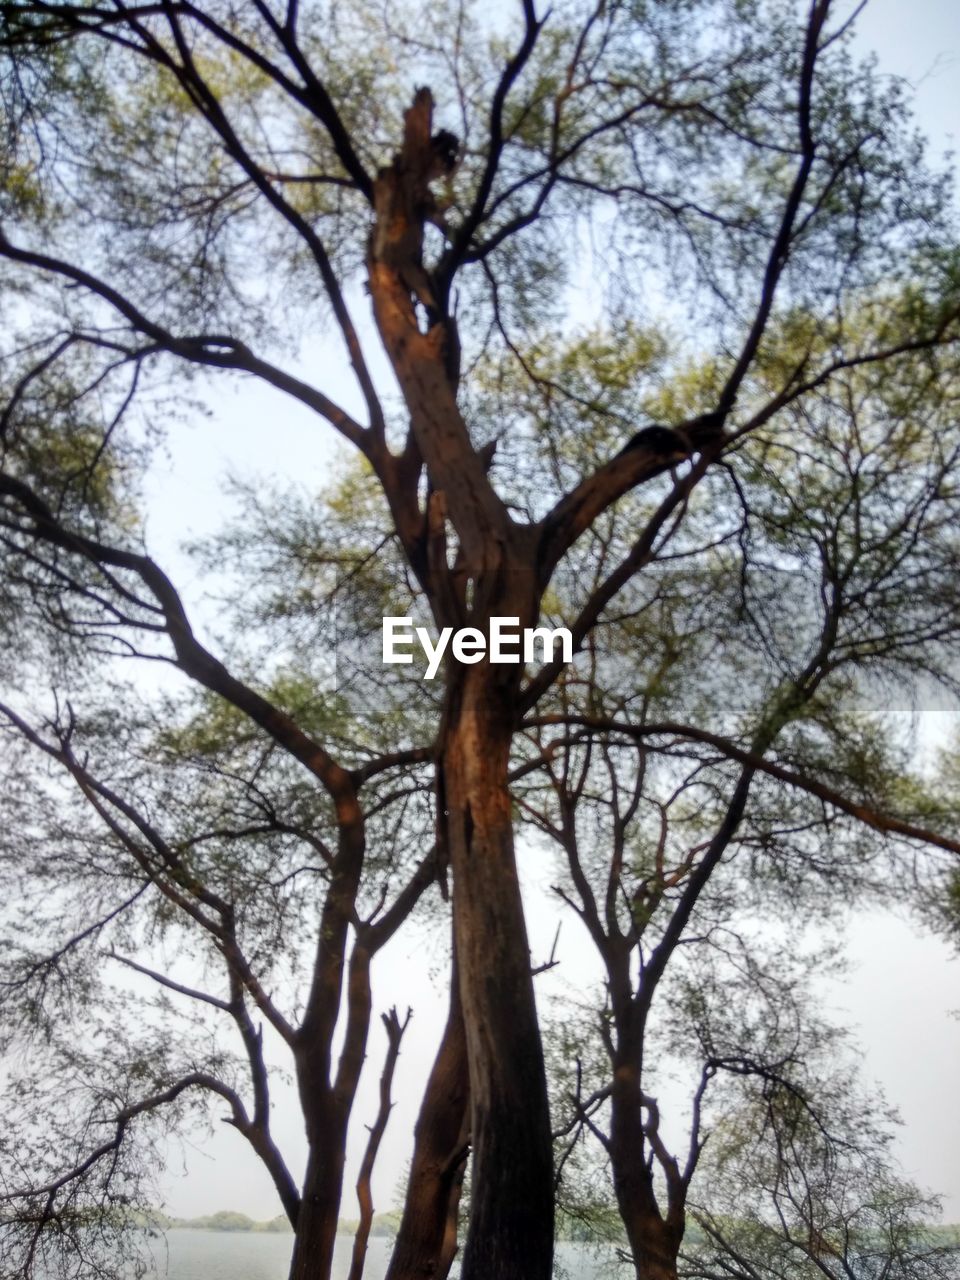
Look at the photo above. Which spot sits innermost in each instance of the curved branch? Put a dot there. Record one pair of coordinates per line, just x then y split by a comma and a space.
51, 961
195, 1079
639, 555
577, 510
216, 351
191, 656
390, 760
885, 823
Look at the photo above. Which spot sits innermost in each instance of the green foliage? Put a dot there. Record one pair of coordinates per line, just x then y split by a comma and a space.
799, 1183
223, 1220
636, 231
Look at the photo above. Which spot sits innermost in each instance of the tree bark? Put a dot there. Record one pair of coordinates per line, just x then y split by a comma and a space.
319, 1211
423, 1247
511, 1214
654, 1237
654, 1258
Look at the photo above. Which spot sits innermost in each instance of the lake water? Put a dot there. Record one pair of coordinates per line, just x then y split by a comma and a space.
242, 1255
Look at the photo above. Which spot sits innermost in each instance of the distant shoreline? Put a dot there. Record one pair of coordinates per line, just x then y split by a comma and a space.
384, 1226
230, 1221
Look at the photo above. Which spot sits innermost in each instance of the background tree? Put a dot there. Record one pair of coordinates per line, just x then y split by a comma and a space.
181, 182
746, 662
813, 1192
795, 1174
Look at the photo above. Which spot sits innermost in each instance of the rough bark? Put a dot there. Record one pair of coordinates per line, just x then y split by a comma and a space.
423, 1248
511, 1214
511, 1224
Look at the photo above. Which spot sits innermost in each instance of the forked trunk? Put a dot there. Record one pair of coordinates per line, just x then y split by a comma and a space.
654, 1261
326, 1110
654, 1240
654, 1236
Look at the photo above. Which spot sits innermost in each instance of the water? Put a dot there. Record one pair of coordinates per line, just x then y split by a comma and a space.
242, 1255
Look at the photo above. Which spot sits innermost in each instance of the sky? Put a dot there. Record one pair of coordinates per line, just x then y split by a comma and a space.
902, 991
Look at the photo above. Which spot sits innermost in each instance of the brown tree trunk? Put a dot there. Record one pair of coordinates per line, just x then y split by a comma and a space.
423, 1249
654, 1236
510, 1235
319, 1212
327, 1104
654, 1259
654, 1240
511, 1215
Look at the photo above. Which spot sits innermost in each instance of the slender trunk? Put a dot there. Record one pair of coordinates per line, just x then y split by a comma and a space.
395, 1029
326, 1108
423, 1246
510, 1236
654, 1237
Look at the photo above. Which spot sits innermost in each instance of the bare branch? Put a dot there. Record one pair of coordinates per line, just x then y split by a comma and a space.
395, 1029
870, 817
216, 351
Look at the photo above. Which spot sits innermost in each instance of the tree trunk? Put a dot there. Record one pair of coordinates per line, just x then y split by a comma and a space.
654, 1260
326, 1109
319, 1213
423, 1248
510, 1236
511, 1221
654, 1238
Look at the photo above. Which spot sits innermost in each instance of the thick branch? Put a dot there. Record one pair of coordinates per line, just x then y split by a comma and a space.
578, 510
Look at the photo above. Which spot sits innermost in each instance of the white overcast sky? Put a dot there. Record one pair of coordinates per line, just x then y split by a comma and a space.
903, 986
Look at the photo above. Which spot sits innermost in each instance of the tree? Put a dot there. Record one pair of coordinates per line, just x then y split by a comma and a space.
794, 1174
181, 181
815, 1193
667, 873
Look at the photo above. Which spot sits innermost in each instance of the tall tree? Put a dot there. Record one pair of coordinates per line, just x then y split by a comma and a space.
181, 182
725, 761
